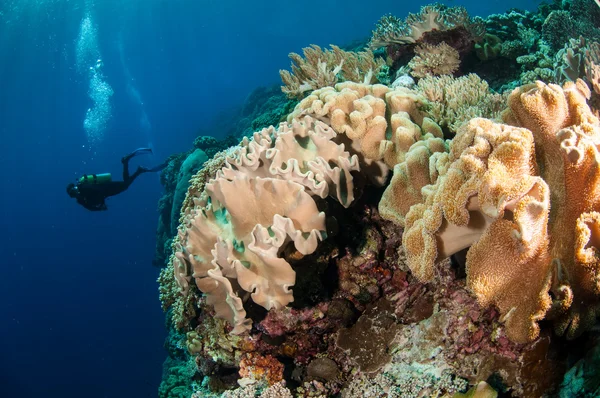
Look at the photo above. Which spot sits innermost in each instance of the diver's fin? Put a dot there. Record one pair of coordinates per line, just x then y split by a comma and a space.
158, 168
139, 151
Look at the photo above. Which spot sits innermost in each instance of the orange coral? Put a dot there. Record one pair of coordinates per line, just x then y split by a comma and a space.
493, 193
567, 137
486, 197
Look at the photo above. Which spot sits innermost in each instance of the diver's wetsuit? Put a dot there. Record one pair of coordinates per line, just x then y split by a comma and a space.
92, 196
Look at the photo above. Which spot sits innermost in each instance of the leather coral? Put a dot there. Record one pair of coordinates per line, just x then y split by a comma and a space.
567, 137
231, 238
487, 198
523, 198
379, 123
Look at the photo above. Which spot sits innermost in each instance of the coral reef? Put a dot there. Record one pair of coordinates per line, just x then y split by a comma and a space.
437, 238
566, 135
433, 25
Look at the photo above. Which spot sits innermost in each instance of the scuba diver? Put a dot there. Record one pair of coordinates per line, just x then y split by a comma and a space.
92, 190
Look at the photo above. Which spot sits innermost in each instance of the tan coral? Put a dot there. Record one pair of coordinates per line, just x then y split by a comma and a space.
374, 120
317, 69
487, 198
567, 137
417, 170
454, 101
493, 195
434, 60
321, 68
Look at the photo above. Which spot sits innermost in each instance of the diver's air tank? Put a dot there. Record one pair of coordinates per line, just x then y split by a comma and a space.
95, 178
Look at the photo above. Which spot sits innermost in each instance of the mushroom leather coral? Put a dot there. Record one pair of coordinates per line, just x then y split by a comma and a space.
258, 203
303, 152
525, 200
380, 123
567, 138
487, 198
418, 170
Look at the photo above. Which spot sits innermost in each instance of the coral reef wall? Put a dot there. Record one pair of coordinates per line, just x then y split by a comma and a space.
420, 218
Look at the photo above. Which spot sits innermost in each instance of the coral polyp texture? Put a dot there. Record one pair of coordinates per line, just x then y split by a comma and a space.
567, 135
436, 235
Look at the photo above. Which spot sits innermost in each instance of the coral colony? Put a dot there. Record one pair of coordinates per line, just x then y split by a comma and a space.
419, 217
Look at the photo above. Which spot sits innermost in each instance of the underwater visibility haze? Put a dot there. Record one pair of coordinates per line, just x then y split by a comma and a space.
323, 199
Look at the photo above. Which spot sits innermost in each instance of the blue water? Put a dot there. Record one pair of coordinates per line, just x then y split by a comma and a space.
79, 309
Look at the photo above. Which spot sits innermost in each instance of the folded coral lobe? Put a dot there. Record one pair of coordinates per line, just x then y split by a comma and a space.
509, 266
261, 201
567, 136
489, 200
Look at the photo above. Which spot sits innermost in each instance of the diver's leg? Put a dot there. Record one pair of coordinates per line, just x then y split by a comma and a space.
139, 151
125, 160
130, 179
142, 170
159, 167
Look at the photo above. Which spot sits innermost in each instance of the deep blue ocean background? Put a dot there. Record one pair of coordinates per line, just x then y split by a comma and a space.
79, 309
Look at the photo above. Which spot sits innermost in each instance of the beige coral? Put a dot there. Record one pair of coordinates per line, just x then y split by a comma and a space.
257, 204
454, 101
321, 68
303, 152
434, 60
379, 124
